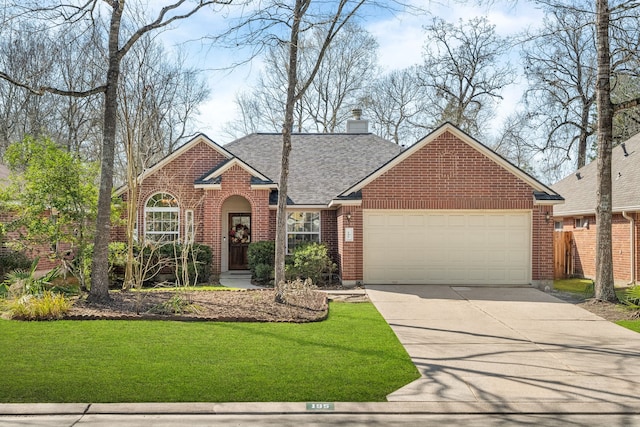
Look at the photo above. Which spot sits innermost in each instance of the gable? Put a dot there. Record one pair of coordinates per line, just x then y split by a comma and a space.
186, 164
450, 164
213, 176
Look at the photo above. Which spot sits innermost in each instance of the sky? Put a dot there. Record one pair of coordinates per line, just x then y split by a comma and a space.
400, 38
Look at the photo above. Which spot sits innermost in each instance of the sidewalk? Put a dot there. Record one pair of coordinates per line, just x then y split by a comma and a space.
267, 408
237, 279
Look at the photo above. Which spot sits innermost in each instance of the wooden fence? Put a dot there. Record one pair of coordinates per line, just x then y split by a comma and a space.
562, 254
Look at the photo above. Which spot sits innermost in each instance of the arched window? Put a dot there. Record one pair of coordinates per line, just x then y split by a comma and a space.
161, 218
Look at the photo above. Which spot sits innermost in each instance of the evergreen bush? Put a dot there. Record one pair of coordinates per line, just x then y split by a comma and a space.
263, 252
311, 261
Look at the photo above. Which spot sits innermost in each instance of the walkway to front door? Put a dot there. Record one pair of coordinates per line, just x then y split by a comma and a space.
239, 239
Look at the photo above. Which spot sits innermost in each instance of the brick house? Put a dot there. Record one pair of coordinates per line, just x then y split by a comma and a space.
446, 210
577, 215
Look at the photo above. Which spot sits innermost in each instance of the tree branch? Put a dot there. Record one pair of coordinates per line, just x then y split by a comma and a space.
617, 107
47, 89
161, 22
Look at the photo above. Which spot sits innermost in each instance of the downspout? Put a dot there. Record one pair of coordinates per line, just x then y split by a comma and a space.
632, 235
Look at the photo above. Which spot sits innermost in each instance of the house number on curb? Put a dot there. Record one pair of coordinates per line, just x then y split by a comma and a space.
319, 406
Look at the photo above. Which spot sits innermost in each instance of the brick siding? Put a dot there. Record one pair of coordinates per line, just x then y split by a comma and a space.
584, 246
448, 174
14, 240
177, 178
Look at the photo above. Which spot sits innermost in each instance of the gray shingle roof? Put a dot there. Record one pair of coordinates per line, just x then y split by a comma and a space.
321, 165
580, 194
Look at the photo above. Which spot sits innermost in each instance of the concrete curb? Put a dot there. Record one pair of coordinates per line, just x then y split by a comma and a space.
266, 408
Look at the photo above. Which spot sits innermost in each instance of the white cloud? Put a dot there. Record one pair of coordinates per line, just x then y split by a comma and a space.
400, 41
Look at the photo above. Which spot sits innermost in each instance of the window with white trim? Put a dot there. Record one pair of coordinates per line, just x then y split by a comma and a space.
581, 223
302, 227
161, 218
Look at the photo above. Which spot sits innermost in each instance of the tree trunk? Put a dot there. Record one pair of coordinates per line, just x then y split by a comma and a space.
281, 217
584, 134
100, 266
604, 285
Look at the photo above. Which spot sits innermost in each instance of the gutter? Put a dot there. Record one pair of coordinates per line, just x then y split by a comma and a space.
632, 235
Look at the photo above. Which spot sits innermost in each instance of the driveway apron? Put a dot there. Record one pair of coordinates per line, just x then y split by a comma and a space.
506, 346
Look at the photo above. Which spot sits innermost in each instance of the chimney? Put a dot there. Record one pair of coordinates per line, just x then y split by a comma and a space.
357, 125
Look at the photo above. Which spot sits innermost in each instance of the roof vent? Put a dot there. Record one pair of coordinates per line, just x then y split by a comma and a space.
357, 125
624, 148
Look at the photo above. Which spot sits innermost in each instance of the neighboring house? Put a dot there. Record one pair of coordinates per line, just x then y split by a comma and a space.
42, 252
446, 210
577, 214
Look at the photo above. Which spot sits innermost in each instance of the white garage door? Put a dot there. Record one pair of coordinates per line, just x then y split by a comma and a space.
447, 247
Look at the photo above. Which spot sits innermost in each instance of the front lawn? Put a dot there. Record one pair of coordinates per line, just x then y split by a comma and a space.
352, 356
634, 325
582, 286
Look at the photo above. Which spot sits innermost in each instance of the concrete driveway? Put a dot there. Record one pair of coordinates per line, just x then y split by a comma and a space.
510, 348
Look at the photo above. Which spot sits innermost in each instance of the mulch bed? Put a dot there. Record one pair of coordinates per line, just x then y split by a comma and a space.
606, 310
231, 306
259, 306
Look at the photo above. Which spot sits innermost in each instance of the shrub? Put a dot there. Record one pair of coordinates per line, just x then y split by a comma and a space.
117, 258
24, 282
48, 306
13, 260
632, 296
263, 252
177, 304
263, 272
166, 257
199, 260
311, 261
298, 293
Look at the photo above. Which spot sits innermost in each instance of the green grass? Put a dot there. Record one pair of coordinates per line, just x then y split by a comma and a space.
634, 325
583, 286
352, 356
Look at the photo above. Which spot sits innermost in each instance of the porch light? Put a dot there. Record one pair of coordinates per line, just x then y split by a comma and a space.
547, 217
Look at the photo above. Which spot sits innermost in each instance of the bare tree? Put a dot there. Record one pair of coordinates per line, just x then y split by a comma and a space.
399, 106
626, 123
560, 64
621, 21
513, 142
159, 97
464, 70
28, 59
300, 17
604, 285
91, 14
348, 65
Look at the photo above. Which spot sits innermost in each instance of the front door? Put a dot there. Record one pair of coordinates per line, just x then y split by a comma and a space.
239, 239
